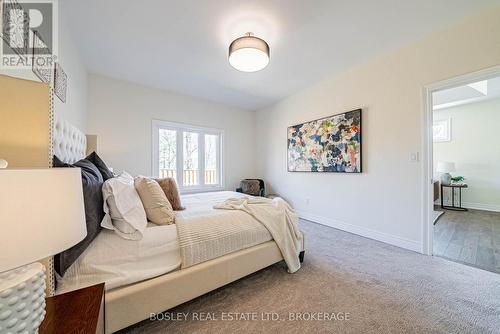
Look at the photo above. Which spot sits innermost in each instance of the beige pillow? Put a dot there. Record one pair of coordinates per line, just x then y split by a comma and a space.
158, 208
169, 187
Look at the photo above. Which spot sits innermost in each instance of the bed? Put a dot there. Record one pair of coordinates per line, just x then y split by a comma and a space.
158, 283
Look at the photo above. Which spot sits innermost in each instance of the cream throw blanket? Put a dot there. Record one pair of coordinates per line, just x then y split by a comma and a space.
279, 219
206, 233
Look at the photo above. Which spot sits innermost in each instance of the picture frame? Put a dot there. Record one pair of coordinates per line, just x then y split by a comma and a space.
15, 35
441, 130
60, 82
330, 144
44, 73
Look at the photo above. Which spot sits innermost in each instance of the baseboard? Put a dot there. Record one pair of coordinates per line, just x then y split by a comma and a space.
475, 206
363, 231
481, 206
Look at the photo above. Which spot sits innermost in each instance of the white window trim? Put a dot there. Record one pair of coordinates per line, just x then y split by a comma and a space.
180, 127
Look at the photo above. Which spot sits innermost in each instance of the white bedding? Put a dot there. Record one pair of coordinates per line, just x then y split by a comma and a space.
206, 233
279, 219
119, 262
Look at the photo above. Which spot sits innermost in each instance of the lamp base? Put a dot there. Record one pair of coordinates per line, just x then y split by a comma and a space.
446, 179
22, 299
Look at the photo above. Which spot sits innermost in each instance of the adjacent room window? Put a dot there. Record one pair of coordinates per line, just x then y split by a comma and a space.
190, 154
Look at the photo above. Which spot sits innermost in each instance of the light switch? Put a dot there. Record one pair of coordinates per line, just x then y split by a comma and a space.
414, 157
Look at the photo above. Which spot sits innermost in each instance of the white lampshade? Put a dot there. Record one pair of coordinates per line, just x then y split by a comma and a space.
445, 167
41, 214
249, 53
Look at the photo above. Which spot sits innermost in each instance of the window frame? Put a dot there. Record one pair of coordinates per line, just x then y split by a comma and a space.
157, 125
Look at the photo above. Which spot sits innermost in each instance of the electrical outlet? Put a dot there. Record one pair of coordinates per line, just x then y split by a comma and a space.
413, 157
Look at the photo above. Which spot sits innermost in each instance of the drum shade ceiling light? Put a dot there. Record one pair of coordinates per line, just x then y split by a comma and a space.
249, 53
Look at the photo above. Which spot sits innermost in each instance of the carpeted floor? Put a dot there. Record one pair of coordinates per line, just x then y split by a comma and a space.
377, 287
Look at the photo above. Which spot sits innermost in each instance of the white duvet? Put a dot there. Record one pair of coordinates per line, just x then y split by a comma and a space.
119, 262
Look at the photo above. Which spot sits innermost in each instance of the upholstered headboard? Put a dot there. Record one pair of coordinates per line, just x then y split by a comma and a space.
69, 144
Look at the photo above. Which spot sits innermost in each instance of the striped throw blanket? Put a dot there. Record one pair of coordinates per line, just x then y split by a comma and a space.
205, 233
217, 224
279, 219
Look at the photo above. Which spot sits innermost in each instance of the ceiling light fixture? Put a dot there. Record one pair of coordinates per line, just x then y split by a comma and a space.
249, 53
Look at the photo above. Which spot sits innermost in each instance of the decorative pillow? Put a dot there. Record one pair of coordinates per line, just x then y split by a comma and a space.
169, 187
101, 166
250, 187
123, 207
154, 200
92, 182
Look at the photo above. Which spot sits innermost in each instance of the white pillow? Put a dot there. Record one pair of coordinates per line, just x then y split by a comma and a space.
123, 207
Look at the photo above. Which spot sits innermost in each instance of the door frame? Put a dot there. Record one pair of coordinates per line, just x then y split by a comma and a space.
427, 145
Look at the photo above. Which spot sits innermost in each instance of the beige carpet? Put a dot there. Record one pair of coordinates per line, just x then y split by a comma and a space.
381, 288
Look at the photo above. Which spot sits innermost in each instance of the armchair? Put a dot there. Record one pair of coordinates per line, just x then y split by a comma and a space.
254, 187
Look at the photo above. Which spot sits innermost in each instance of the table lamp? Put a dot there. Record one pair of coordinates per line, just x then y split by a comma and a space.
445, 168
41, 214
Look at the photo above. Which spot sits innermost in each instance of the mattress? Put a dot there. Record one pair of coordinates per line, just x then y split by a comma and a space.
119, 262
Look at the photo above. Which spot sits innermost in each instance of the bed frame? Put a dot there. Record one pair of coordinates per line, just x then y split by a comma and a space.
130, 304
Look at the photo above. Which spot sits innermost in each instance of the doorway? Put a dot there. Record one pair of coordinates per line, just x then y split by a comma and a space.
461, 191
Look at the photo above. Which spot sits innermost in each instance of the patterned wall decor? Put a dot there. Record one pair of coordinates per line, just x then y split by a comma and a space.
60, 82
42, 71
15, 26
330, 144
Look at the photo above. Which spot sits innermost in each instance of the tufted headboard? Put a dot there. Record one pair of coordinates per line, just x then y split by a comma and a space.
69, 143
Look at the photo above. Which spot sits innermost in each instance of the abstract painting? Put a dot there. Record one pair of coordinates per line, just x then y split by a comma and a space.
60, 82
330, 144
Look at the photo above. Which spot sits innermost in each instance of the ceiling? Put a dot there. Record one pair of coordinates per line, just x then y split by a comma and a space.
471, 93
182, 46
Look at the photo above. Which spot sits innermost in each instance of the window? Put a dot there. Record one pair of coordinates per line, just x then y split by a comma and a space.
190, 154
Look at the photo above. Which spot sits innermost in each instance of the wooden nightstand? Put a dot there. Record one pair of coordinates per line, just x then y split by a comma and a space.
80, 311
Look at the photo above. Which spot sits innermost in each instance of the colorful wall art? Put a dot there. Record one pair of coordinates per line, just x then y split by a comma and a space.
330, 144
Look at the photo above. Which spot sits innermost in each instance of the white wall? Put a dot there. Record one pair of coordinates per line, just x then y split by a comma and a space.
75, 108
385, 201
120, 114
475, 149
